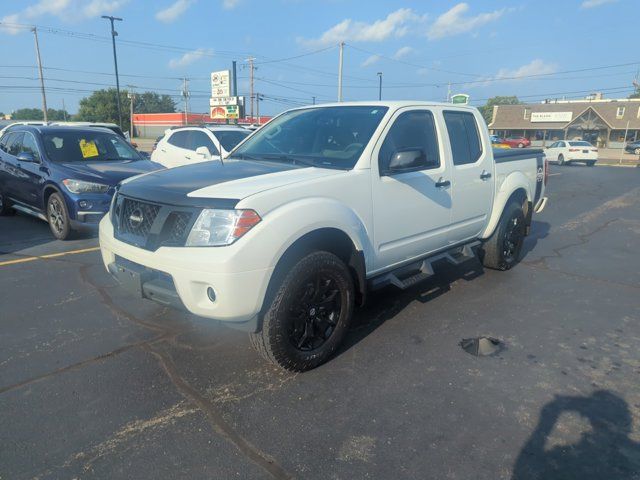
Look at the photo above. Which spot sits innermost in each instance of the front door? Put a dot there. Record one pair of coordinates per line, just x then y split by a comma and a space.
411, 201
472, 176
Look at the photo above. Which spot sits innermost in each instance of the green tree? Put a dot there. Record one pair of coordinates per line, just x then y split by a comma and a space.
487, 108
636, 93
36, 114
101, 106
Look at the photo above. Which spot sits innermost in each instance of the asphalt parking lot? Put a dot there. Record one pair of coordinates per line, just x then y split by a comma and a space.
97, 384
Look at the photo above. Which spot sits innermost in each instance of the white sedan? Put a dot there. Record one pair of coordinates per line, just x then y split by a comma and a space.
567, 151
187, 145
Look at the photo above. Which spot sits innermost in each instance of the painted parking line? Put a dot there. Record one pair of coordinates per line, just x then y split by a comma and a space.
50, 255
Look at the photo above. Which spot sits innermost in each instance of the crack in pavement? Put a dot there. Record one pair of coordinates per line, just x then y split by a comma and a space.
215, 418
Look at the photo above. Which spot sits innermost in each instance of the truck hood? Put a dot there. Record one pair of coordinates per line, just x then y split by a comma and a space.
110, 173
235, 180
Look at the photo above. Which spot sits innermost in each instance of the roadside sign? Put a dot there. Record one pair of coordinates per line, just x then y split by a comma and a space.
460, 98
221, 84
219, 101
225, 112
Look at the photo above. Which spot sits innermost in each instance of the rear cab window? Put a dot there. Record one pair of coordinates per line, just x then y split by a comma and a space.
464, 137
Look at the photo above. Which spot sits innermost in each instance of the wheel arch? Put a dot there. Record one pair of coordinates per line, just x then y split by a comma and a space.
328, 239
48, 190
514, 188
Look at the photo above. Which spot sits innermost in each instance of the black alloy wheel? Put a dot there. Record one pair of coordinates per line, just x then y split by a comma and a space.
514, 234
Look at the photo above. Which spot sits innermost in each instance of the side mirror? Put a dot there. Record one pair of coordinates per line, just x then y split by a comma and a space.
26, 157
406, 159
203, 152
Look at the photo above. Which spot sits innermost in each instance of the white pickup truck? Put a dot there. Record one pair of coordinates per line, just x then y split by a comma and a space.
317, 208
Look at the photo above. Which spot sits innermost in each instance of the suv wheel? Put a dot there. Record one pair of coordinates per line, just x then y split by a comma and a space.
309, 314
502, 250
5, 206
58, 217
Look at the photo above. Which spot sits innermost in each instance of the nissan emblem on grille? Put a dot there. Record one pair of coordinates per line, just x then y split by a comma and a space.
136, 218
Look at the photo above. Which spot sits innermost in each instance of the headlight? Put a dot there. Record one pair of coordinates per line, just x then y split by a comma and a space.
215, 228
80, 186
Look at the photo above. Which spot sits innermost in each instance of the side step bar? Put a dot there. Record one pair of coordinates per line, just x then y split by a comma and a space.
408, 275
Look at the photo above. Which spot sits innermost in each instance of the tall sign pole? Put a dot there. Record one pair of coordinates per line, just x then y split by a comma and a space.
44, 95
340, 71
114, 34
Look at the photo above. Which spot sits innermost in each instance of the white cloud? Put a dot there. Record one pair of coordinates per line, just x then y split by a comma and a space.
454, 21
230, 4
73, 10
173, 11
595, 3
534, 67
370, 60
7, 24
190, 57
422, 71
402, 52
396, 24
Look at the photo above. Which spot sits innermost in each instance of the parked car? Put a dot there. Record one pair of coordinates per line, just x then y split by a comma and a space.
569, 151
186, 145
517, 142
316, 208
64, 175
497, 142
633, 147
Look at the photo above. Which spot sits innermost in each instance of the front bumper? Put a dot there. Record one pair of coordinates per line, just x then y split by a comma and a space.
181, 276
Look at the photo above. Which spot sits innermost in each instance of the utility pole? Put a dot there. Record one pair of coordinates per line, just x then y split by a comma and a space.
340, 71
314, 100
114, 34
448, 92
251, 67
258, 107
132, 98
185, 96
64, 110
624, 141
44, 95
380, 86
234, 80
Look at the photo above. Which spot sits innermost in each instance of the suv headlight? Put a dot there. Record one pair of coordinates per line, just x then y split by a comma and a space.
215, 228
80, 186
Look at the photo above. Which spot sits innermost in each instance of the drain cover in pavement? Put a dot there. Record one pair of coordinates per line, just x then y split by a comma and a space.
481, 346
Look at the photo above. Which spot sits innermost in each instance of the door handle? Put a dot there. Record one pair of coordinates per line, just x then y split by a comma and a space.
187, 157
485, 175
163, 150
442, 183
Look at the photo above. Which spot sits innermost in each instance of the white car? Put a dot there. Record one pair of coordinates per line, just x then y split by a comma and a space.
315, 209
187, 145
567, 151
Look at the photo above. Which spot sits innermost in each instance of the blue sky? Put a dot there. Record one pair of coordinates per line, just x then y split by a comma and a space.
484, 48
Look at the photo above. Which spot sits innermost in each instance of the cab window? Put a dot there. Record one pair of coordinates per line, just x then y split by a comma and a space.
412, 131
464, 137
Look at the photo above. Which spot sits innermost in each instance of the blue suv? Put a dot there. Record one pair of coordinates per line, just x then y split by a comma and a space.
64, 175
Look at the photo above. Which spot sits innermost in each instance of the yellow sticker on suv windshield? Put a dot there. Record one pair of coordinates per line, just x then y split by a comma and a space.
88, 149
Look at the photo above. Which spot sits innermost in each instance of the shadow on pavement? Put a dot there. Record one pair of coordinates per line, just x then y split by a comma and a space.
384, 304
603, 452
21, 231
539, 230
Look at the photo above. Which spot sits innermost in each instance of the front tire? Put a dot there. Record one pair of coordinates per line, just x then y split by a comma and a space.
308, 315
502, 250
560, 159
591, 163
521, 145
637, 151
58, 217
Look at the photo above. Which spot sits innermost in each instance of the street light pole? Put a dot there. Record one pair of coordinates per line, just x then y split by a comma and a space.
44, 95
380, 86
340, 62
114, 34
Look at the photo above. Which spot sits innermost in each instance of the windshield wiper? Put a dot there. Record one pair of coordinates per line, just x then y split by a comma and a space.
289, 158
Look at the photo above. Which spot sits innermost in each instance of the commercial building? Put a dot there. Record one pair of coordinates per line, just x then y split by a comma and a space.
151, 125
602, 122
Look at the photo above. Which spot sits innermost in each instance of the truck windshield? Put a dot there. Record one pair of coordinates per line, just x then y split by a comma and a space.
327, 137
87, 146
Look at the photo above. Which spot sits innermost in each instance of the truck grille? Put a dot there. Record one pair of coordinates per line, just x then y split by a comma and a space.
150, 225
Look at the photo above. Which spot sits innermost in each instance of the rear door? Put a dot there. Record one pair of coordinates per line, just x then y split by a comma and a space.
174, 149
30, 174
472, 175
10, 165
411, 205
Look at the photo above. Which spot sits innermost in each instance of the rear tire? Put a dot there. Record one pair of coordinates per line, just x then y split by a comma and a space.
5, 206
637, 151
58, 217
308, 315
502, 250
560, 159
521, 145
591, 163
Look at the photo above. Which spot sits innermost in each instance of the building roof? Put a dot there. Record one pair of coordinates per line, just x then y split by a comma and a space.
511, 117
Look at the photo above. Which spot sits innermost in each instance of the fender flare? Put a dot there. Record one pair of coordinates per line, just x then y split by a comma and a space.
515, 182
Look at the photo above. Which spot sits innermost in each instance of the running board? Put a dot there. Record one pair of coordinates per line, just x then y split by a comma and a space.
409, 275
